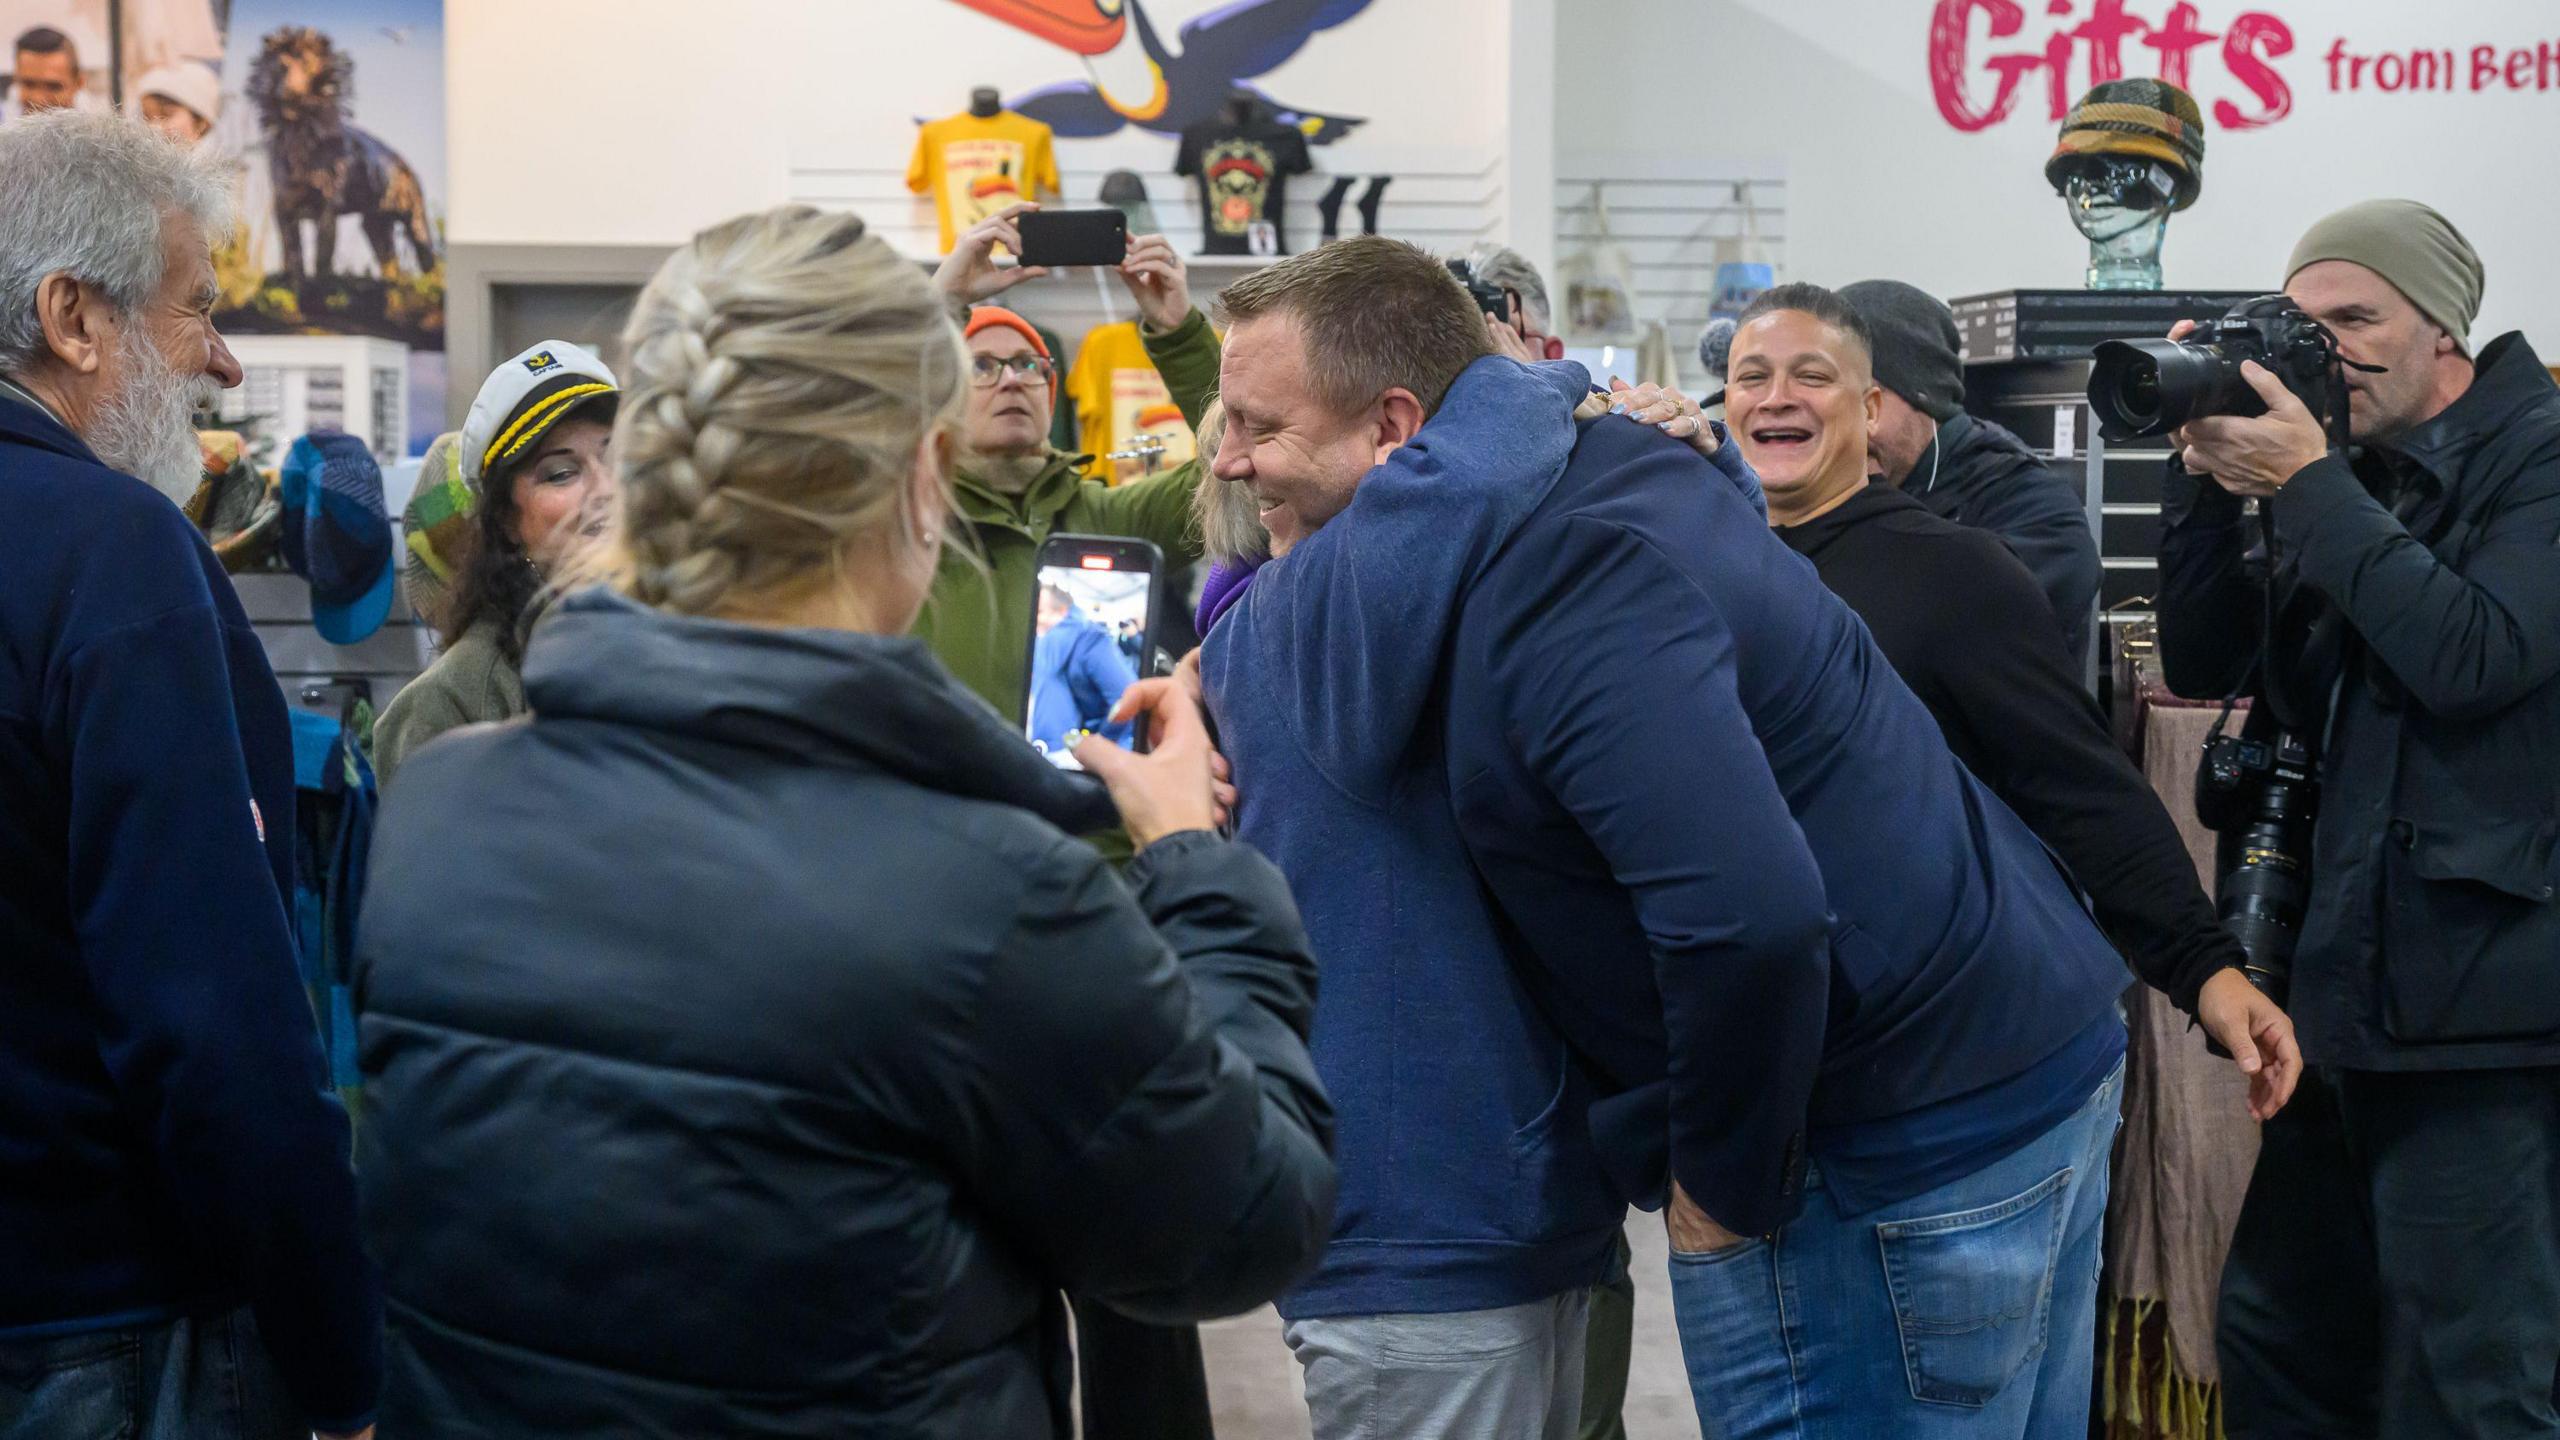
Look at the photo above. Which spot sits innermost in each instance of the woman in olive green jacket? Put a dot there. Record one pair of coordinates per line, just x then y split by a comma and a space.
1014, 490
534, 452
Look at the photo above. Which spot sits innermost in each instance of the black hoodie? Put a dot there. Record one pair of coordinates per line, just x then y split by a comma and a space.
1969, 631
748, 1050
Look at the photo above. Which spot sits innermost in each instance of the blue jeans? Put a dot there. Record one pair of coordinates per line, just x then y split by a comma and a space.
199, 1378
1966, 1313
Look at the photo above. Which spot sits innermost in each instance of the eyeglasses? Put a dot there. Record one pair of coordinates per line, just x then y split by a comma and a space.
986, 370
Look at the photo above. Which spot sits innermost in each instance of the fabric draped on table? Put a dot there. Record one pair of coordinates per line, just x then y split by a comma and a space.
2182, 1161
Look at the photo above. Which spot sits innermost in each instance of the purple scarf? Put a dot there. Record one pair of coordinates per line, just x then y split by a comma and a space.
1227, 582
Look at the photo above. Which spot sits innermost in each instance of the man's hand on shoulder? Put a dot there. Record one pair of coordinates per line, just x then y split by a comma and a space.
1666, 410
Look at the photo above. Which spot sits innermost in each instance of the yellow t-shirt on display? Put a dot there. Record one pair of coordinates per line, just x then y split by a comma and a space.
1119, 396
974, 167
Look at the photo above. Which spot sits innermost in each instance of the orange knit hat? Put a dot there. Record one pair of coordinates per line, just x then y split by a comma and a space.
987, 317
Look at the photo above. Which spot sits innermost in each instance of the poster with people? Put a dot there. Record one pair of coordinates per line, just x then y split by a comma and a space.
330, 114
58, 57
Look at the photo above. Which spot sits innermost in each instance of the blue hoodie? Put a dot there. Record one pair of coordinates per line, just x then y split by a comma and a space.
1468, 1180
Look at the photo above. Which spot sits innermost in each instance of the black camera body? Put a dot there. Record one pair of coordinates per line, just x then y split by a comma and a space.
2146, 388
1492, 300
2262, 797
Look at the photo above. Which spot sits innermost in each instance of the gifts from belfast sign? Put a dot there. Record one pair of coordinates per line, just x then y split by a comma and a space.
1989, 63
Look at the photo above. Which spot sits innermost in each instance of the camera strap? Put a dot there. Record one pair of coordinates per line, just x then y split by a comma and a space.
2222, 722
2274, 688
2271, 684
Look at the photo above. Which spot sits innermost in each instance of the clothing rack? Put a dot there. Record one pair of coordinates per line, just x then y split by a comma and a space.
1674, 216
316, 675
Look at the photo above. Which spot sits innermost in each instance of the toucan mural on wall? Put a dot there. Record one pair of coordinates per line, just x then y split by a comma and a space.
1135, 78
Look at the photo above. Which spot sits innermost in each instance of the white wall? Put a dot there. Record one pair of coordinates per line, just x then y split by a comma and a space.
610, 121
1837, 93
639, 121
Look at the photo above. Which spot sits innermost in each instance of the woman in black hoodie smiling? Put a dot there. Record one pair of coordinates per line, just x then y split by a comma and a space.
749, 1051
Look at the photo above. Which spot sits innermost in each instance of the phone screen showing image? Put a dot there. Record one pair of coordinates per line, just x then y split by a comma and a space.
1092, 624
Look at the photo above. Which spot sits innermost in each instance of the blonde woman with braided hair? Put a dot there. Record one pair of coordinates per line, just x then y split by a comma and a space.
749, 1050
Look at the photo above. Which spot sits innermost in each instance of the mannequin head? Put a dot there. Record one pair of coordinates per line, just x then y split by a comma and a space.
2122, 204
2131, 154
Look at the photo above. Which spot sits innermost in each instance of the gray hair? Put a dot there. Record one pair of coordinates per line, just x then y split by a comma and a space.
1230, 522
88, 195
1504, 268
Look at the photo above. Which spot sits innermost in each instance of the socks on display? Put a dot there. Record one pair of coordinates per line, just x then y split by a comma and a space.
1330, 207
1369, 204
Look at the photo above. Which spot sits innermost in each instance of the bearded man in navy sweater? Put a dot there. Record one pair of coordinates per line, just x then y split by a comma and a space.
1592, 793
178, 1246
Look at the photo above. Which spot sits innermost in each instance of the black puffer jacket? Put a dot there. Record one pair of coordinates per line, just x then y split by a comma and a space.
2420, 585
749, 1052
1984, 478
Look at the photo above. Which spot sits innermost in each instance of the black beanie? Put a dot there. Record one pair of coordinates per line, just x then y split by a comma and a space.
1916, 345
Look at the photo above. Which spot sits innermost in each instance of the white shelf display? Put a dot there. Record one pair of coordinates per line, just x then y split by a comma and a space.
296, 384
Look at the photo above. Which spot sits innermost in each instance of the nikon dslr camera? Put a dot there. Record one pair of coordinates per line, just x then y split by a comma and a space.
2146, 388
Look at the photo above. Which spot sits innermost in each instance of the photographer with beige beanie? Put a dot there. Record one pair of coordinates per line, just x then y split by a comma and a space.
2396, 1270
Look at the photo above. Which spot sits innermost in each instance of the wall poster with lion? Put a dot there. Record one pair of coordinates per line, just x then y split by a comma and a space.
331, 115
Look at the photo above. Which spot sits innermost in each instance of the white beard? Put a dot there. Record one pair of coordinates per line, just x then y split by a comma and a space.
143, 428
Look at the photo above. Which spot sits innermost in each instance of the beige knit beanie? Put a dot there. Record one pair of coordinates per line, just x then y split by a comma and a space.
2411, 246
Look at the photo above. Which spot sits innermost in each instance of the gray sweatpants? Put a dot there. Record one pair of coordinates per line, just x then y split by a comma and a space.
1509, 1374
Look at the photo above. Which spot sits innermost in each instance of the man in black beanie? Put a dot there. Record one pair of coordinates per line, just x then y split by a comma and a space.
1964, 468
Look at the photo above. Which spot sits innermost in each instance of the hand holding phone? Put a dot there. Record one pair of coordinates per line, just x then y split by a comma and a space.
1174, 787
970, 273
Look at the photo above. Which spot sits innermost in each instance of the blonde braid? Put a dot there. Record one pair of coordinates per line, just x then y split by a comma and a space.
784, 369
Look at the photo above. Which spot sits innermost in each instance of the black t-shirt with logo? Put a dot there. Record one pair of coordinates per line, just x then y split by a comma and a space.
1242, 172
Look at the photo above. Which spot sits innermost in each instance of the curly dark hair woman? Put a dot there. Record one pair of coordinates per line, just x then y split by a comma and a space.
534, 451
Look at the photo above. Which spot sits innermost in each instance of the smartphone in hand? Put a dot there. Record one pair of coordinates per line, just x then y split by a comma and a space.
1073, 237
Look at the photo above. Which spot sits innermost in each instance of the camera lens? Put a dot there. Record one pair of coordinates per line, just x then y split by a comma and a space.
2124, 389
2146, 388
2140, 390
2268, 887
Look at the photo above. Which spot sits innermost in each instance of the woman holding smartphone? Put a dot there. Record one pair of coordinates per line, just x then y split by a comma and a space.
748, 1049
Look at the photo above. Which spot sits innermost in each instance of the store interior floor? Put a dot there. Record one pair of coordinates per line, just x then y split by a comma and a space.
1253, 1383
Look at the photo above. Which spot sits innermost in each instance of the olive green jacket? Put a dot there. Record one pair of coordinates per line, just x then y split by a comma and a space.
470, 682
980, 623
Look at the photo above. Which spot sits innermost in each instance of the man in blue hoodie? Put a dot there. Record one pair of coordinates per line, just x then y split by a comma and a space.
178, 1245
1473, 1218
1078, 672
1841, 1011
